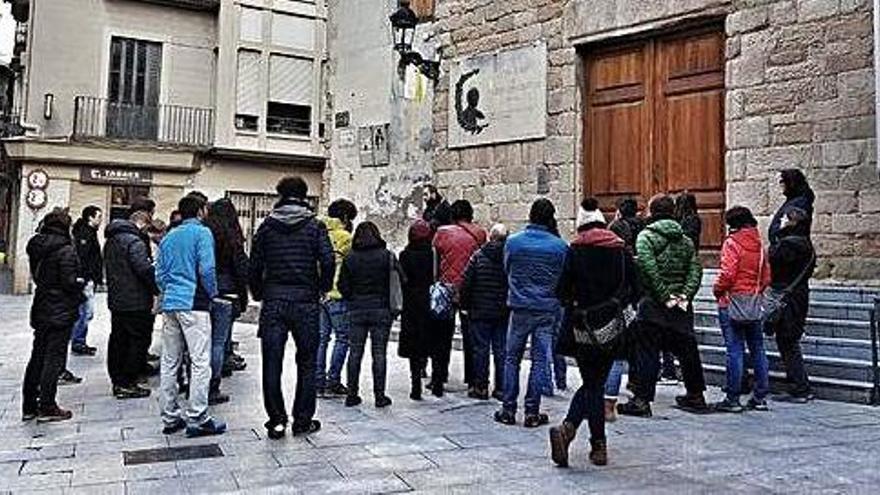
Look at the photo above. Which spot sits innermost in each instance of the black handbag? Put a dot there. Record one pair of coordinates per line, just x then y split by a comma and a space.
776, 300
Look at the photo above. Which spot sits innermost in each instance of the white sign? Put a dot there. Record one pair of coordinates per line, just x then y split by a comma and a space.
498, 97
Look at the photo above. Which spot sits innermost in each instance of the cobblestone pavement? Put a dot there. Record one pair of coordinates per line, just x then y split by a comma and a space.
448, 445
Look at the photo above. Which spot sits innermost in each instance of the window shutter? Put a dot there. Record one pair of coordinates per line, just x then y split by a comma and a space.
424, 9
248, 90
154, 74
292, 31
290, 80
251, 25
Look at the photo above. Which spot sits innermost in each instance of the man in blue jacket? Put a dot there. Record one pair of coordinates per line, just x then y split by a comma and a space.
185, 273
535, 261
292, 270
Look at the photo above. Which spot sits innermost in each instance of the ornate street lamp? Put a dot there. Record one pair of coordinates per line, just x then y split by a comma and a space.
403, 24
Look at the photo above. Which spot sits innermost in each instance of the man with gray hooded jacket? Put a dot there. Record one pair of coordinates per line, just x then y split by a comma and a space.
292, 269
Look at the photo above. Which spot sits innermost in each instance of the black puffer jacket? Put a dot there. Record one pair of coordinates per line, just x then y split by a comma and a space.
364, 280
292, 257
800, 196
417, 334
55, 270
790, 257
131, 278
88, 249
484, 290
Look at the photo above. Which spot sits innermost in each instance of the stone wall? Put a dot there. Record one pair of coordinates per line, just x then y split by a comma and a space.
800, 93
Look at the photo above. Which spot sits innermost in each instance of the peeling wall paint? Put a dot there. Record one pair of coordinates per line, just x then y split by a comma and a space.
366, 83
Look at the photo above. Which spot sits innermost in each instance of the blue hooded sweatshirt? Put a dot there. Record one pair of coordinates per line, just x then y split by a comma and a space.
185, 270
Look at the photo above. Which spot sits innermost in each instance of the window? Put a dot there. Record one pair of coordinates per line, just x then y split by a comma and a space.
135, 77
251, 25
290, 95
290, 31
121, 198
247, 111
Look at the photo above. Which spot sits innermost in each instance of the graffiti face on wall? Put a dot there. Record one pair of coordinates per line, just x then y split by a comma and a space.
470, 118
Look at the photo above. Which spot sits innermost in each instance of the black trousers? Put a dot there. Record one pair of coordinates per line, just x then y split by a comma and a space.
467, 340
589, 400
130, 336
660, 329
789, 344
48, 359
442, 351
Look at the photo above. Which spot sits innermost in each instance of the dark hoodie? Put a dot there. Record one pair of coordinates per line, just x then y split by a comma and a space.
798, 194
416, 325
484, 290
131, 278
365, 275
601, 268
55, 271
291, 257
89, 251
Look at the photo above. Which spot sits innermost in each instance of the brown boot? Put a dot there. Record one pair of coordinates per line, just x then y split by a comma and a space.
610, 410
599, 452
560, 438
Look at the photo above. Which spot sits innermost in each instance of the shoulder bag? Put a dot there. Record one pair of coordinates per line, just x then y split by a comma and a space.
602, 337
440, 297
749, 308
776, 300
395, 286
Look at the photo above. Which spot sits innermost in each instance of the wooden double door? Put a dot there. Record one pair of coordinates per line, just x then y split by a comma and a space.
654, 122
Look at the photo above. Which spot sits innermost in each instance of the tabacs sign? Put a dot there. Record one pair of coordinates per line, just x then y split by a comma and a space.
118, 176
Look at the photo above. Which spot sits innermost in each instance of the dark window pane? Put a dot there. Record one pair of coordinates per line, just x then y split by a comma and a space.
247, 122
284, 118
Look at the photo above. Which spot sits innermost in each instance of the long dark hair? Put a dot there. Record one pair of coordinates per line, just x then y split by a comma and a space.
367, 236
685, 205
228, 238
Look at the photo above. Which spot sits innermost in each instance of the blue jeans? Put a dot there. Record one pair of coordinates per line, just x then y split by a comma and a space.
555, 363
86, 314
615, 377
335, 321
735, 337
278, 319
222, 318
525, 324
489, 335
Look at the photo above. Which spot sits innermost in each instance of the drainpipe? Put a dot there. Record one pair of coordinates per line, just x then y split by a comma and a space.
877, 79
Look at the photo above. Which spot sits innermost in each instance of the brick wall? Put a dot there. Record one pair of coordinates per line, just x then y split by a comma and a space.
800, 84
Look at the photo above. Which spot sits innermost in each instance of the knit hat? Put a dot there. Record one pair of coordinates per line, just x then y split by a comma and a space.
589, 212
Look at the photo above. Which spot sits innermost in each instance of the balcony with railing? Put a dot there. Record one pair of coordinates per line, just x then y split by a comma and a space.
188, 4
102, 119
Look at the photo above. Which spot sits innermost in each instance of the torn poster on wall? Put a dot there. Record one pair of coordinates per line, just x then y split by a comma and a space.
374, 146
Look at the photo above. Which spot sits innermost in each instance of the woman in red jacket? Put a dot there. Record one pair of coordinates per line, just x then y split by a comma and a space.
744, 270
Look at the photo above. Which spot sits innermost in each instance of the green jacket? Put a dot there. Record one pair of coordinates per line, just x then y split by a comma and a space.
668, 262
341, 240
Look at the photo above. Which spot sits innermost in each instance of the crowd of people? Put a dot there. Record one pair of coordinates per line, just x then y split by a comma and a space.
619, 296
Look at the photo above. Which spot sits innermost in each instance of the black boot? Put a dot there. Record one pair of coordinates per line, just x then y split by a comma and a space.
416, 392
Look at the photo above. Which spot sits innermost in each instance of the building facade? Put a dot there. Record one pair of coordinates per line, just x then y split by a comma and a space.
640, 97
157, 98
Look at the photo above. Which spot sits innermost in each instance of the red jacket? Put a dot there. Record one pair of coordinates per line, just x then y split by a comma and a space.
455, 244
740, 257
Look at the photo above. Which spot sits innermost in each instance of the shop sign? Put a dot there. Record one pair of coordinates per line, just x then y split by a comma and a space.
117, 176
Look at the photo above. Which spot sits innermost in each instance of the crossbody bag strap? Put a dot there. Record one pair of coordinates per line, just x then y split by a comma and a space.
803, 273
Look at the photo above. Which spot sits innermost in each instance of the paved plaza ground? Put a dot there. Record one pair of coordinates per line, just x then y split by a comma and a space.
447, 445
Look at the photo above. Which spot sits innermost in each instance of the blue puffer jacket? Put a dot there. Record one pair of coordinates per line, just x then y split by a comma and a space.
185, 270
292, 257
535, 261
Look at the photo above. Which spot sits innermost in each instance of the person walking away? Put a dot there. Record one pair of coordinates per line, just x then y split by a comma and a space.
454, 245
535, 263
186, 273
417, 327
131, 288
792, 263
671, 274
365, 287
745, 271
232, 277
292, 269
437, 210
335, 322
798, 194
54, 268
91, 263
484, 297
602, 282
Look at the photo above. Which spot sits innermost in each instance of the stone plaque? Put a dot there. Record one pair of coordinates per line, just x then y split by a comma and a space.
498, 97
